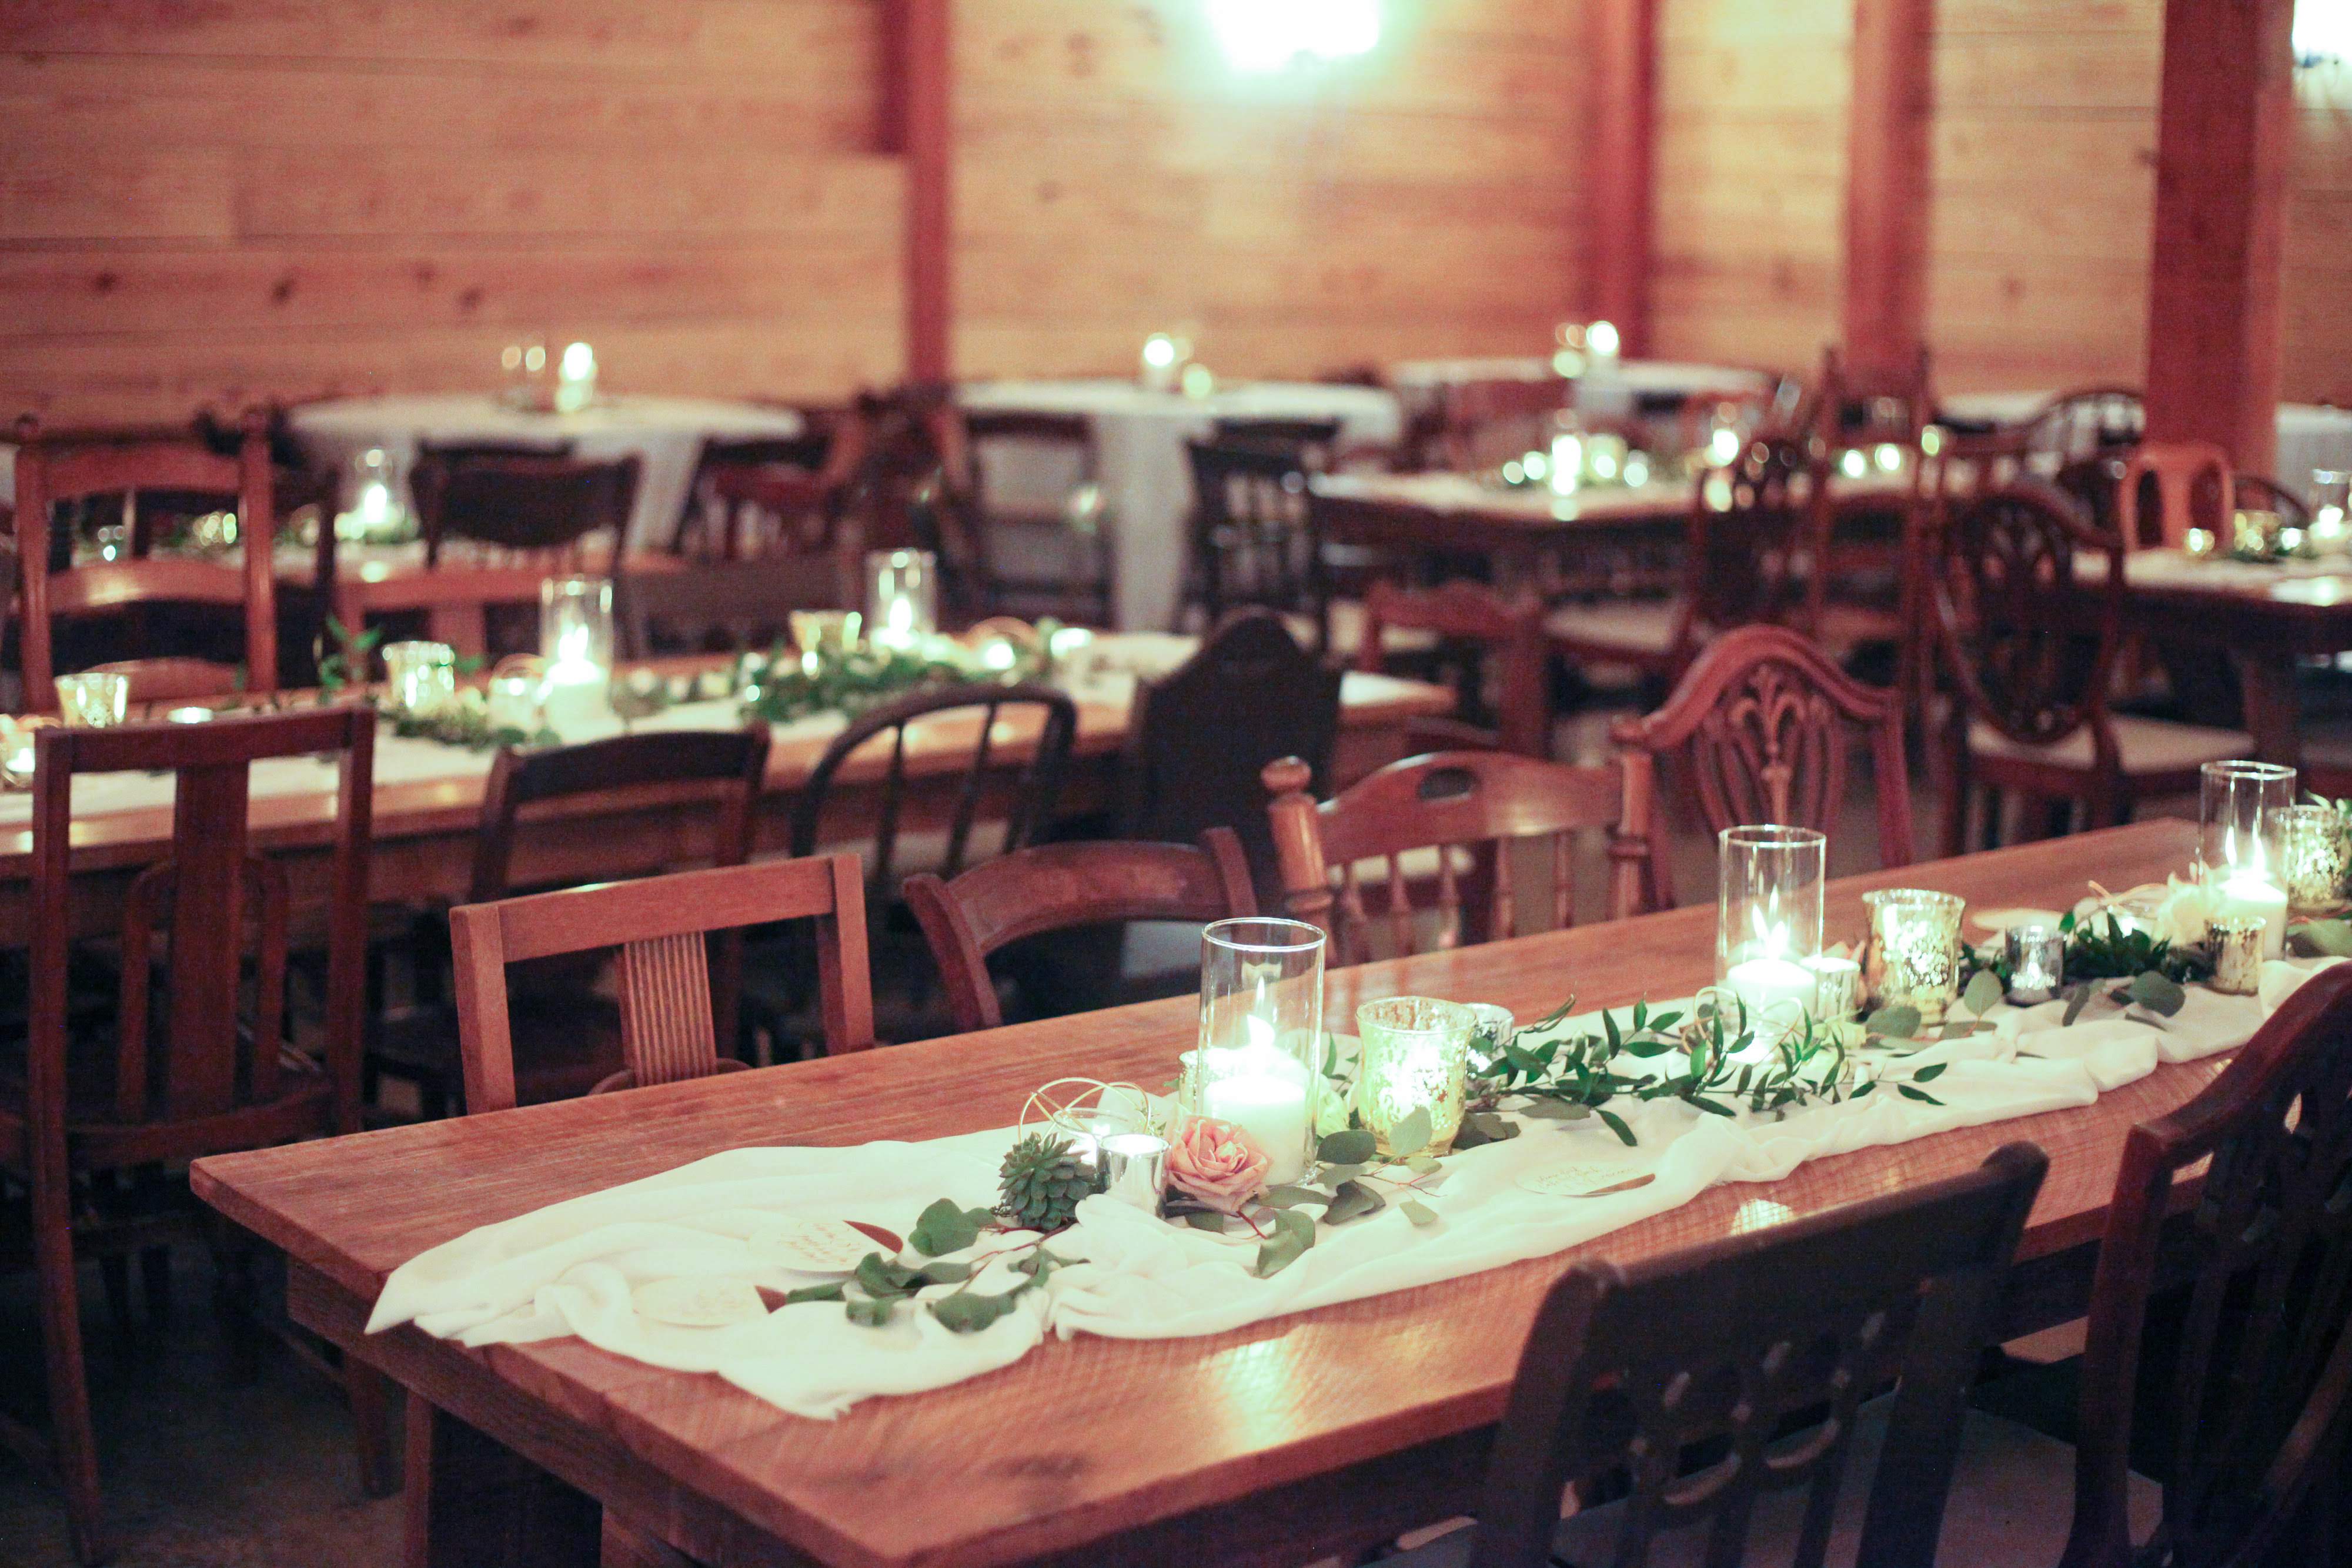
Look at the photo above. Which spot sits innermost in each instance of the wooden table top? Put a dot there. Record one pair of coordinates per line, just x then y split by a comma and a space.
1090, 1437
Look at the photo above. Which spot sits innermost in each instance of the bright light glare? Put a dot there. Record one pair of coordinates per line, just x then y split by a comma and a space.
1602, 339
1723, 446
1269, 35
579, 360
1160, 350
1853, 464
2322, 30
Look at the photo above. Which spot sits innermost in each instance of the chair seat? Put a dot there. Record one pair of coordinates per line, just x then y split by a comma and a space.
2147, 745
1640, 629
2012, 1502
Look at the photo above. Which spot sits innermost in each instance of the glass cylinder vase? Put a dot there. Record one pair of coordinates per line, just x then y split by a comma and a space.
902, 596
1257, 1065
2241, 817
1768, 920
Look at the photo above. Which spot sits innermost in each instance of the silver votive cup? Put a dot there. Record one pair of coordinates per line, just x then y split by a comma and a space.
2314, 857
2037, 962
95, 699
2237, 944
420, 678
1496, 1022
1913, 957
1135, 1168
1837, 989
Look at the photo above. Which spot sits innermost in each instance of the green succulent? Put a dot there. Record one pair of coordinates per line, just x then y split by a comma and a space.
1041, 1182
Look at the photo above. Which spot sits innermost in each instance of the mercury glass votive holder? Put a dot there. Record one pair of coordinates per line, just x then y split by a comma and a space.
1134, 1168
1912, 959
420, 678
1837, 988
2037, 961
1415, 1054
95, 699
2237, 944
2315, 858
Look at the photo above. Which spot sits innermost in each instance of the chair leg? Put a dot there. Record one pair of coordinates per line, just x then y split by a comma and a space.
114, 1269
75, 1441
156, 1282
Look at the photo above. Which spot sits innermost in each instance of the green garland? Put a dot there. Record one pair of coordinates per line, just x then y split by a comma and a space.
785, 687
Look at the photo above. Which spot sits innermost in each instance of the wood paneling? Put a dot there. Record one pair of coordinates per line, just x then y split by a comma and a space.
2316, 362
256, 198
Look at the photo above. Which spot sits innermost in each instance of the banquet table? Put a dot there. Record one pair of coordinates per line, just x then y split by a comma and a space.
428, 796
2310, 436
455, 594
1144, 470
1324, 1431
1605, 390
665, 434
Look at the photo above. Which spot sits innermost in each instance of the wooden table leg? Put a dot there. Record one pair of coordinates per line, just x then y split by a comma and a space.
474, 1503
2268, 682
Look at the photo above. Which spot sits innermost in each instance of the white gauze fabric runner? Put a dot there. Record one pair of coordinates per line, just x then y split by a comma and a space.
569, 1268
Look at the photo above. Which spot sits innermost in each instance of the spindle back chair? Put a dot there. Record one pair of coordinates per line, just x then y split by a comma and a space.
1256, 539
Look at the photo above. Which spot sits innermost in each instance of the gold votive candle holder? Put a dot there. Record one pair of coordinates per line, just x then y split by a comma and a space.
1415, 1053
1912, 959
2237, 944
2315, 858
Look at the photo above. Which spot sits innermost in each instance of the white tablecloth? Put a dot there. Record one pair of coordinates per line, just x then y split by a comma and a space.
2310, 436
665, 433
1605, 390
1145, 475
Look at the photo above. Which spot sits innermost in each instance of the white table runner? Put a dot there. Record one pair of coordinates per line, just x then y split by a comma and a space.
570, 1267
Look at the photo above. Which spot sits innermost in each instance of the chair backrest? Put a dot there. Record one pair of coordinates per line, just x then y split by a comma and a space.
1252, 525
754, 497
541, 504
733, 605
1864, 405
2261, 1367
1061, 445
54, 468
910, 488
668, 997
1634, 1367
2088, 422
1759, 730
1490, 421
1468, 801
1311, 438
205, 1062
2030, 633
1750, 523
1464, 613
1262, 697
960, 747
2168, 488
1060, 887
2252, 493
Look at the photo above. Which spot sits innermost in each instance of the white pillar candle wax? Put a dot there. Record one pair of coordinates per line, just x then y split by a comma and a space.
2251, 894
1265, 1094
1773, 990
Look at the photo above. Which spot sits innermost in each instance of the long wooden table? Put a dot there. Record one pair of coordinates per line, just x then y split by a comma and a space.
1323, 1431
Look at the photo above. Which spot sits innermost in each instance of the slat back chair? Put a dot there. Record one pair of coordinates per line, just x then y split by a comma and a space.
733, 605
662, 926
2088, 422
2261, 1384
542, 506
1761, 729
1062, 887
53, 469
2168, 488
1262, 696
205, 1067
1255, 537
1509, 632
1057, 530
1864, 405
969, 723
1631, 1367
1473, 801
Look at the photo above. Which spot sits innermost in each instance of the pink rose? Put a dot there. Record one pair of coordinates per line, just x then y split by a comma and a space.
1218, 1164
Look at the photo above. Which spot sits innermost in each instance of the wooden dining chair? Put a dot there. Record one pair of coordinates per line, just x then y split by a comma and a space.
1049, 551
1728, 1384
53, 593
1761, 729
570, 1041
1060, 887
670, 1003
1461, 811
1504, 638
757, 496
2086, 422
2252, 493
1254, 539
911, 490
2030, 600
543, 507
2168, 488
202, 1059
1488, 422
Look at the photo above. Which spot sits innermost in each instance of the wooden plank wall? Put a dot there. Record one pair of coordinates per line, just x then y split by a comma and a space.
250, 198
2316, 309
1115, 176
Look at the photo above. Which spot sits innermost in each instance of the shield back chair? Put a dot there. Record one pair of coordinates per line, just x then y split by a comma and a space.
53, 593
201, 1061
2087, 421
2168, 488
1035, 485
1469, 807
2029, 601
1493, 642
1051, 888
1761, 728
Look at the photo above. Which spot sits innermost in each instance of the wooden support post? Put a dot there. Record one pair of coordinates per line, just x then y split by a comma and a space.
1624, 89
1887, 166
2224, 131
916, 113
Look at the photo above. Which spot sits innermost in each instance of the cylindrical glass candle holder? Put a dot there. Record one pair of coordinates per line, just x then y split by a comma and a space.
2315, 858
2331, 509
2239, 853
2237, 941
1415, 1052
902, 596
1768, 920
95, 699
1257, 1065
2037, 961
575, 621
420, 678
1912, 959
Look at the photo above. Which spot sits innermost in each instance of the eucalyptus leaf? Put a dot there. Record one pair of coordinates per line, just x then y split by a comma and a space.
1920, 1094
945, 1226
1421, 1165
2325, 938
1205, 1219
1288, 1196
1893, 1023
1292, 1234
1348, 1147
1544, 1108
1665, 1022
2157, 993
1334, 1175
1648, 1047
2076, 1000
882, 1279
1984, 993
1713, 1107
966, 1312
871, 1314
1479, 1128
1352, 1201
944, 1273
1418, 1212
1410, 1134
832, 1293
1930, 1073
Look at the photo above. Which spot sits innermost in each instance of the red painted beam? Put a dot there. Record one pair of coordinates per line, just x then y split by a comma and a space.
1624, 95
917, 127
1887, 165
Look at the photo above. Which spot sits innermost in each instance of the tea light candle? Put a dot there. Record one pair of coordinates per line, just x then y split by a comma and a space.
2250, 894
1773, 989
1265, 1094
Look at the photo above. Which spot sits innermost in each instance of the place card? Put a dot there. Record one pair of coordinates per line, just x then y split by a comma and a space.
707, 1303
811, 1246
1586, 1178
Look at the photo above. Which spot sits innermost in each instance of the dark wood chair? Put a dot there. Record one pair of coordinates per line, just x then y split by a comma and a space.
1467, 807
1262, 697
2168, 488
1717, 1352
1489, 423
2087, 421
569, 1040
1254, 540
1504, 640
2032, 637
2252, 493
541, 507
1060, 544
909, 492
58, 467
201, 1061
1060, 887
753, 499
1312, 439
1760, 729
710, 606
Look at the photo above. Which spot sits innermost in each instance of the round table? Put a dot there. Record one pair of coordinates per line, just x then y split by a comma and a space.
665, 434
1143, 468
